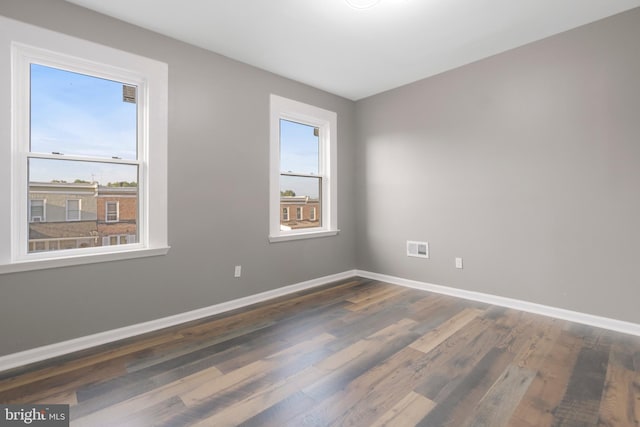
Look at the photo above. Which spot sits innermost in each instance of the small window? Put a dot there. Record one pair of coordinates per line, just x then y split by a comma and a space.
36, 210
112, 214
303, 169
285, 214
312, 215
73, 210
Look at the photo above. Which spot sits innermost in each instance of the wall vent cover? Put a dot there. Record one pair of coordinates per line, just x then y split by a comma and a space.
417, 249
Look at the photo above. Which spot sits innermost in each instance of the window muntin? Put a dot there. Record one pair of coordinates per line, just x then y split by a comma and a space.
303, 169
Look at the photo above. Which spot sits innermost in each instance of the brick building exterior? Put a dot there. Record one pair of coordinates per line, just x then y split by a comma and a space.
78, 215
299, 212
117, 221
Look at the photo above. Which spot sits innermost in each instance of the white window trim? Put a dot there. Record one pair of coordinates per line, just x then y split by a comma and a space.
299, 213
79, 209
312, 213
286, 216
326, 121
19, 43
106, 211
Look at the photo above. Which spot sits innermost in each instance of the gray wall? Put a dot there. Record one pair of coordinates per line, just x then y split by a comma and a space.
218, 198
526, 164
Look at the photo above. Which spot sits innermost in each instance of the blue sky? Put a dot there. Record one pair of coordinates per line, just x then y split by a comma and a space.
299, 153
75, 114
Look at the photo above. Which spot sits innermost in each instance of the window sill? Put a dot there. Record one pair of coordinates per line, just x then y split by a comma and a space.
300, 236
41, 264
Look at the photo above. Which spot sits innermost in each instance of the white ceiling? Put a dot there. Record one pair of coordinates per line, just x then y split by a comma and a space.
357, 53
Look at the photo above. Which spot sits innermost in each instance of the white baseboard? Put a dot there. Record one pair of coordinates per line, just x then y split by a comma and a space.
559, 313
38, 354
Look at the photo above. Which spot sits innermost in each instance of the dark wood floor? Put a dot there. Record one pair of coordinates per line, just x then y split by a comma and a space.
359, 353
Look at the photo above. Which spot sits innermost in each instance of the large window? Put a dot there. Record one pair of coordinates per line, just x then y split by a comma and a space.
303, 170
87, 123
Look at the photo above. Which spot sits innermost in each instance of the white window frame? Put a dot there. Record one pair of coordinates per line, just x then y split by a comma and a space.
299, 213
326, 122
22, 44
312, 214
44, 210
79, 218
106, 211
286, 214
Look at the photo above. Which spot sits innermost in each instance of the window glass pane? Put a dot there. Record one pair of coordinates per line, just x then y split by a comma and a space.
76, 114
301, 194
299, 148
76, 193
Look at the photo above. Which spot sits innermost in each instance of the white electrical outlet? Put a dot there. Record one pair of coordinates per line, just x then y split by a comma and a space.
458, 262
238, 271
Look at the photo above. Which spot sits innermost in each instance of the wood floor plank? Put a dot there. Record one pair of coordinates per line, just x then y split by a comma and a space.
351, 362
434, 338
620, 405
106, 355
243, 410
252, 370
581, 403
497, 405
274, 416
547, 388
42, 387
407, 412
122, 410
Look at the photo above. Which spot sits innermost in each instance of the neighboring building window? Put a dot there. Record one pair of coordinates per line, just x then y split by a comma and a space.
122, 239
36, 210
112, 213
312, 216
73, 210
285, 214
82, 117
303, 163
